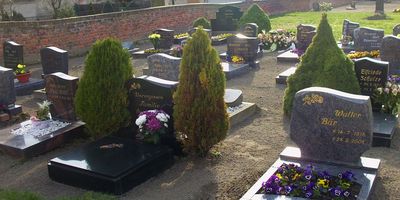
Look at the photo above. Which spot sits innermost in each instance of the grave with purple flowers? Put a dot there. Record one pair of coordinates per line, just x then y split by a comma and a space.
332, 130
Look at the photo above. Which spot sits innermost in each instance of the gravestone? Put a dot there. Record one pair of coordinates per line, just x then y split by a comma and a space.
227, 19
7, 92
233, 97
60, 91
305, 34
249, 30
166, 39
348, 28
367, 39
54, 60
390, 51
243, 46
13, 54
371, 74
396, 30
164, 66
330, 125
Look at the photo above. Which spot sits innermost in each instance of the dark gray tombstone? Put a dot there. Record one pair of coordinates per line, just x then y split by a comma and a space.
227, 19
390, 51
166, 39
243, 46
305, 34
330, 125
233, 97
249, 29
371, 74
13, 54
164, 66
60, 91
367, 39
54, 60
348, 28
396, 30
7, 92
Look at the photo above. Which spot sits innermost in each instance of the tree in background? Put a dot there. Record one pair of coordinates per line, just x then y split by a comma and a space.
102, 99
202, 21
255, 14
324, 64
200, 115
60, 8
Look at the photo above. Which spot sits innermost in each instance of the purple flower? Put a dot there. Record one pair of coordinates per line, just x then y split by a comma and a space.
336, 192
325, 175
288, 189
348, 175
308, 194
153, 124
346, 193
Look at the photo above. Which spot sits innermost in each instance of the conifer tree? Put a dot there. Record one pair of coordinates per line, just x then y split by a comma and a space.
255, 14
101, 99
202, 21
200, 114
324, 64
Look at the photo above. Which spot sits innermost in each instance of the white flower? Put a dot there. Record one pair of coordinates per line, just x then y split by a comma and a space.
380, 90
387, 90
166, 125
140, 120
395, 91
162, 117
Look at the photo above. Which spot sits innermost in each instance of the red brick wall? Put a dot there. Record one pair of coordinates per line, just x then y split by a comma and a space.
77, 34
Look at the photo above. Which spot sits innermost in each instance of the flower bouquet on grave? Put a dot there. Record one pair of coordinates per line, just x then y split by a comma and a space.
295, 181
177, 51
235, 59
389, 96
22, 74
155, 40
181, 35
276, 39
361, 54
42, 114
152, 124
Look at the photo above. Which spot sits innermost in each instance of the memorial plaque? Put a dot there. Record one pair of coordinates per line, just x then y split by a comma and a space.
13, 54
249, 30
330, 125
243, 46
227, 19
166, 39
367, 39
348, 28
60, 91
305, 34
7, 92
396, 30
371, 74
54, 60
164, 66
390, 51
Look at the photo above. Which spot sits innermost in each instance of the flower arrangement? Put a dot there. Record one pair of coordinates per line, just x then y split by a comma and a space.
397, 10
21, 69
292, 180
222, 36
152, 124
389, 96
155, 39
276, 39
43, 113
177, 51
360, 54
182, 35
235, 59
151, 51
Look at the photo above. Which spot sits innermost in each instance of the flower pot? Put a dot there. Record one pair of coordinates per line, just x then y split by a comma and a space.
23, 78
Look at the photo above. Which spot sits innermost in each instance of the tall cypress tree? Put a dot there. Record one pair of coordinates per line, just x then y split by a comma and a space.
324, 64
200, 112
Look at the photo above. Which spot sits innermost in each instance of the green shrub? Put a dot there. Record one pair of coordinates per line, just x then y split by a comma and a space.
18, 195
324, 64
102, 99
325, 6
202, 21
65, 12
15, 16
90, 196
200, 112
155, 3
255, 14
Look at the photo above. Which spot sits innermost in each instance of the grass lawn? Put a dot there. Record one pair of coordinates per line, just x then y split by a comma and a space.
25, 195
289, 21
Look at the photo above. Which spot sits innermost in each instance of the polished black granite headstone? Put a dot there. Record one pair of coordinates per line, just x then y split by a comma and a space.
166, 39
384, 129
348, 28
227, 19
111, 164
371, 74
368, 39
54, 60
390, 51
13, 54
27, 88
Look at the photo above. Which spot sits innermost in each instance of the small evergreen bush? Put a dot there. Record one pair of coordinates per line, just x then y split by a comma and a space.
101, 99
202, 21
324, 64
200, 115
255, 14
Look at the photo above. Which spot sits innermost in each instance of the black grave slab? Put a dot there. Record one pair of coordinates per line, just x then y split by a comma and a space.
227, 19
111, 164
282, 77
243, 46
7, 92
27, 88
371, 74
54, 60
233, 70
166, 39
384, 129
27, 146
13, 54
288, 56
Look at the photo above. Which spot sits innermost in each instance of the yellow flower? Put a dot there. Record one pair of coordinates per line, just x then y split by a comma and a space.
279, 175
323, 183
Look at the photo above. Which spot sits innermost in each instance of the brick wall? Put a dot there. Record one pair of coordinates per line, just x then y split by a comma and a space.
77, 34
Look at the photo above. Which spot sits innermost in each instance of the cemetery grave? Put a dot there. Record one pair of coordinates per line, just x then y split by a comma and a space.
162, 45
367, 39
227, 19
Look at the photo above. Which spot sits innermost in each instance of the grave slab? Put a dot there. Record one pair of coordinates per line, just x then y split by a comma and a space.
28, 87
384, 128
288, 56
141, 54
111, 165
27, 146
232, 70
233, 97
282, 77
242, 112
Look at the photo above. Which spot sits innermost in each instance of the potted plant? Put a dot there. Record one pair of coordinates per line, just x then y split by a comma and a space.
152, 124
22, 74
389, 96
155, 40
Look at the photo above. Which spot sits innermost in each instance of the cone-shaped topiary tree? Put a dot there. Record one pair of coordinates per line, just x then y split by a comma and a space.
324, 64
202, 21
200, 115
255, 14
101, 99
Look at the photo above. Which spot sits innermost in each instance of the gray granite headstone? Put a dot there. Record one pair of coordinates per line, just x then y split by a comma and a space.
371, 74
233, 97
367, 39
390, 51
7, 91
60, 91
227, 19
249, 29
330, 125
164, 66
166, 39
13, 54
54, 60
348, 28
304, 36
243, 46
396, 30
